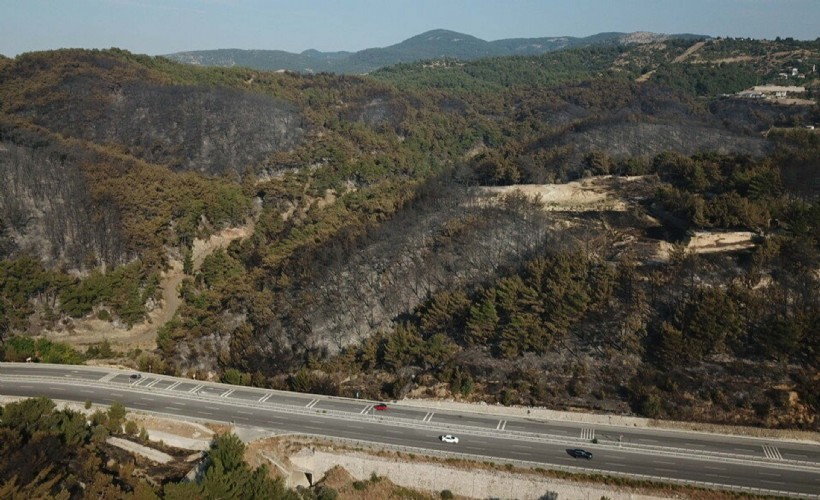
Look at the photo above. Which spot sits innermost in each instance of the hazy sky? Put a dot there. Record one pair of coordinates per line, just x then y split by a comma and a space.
165, 26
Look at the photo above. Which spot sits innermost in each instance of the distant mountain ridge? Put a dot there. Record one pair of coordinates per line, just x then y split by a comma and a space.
434, 44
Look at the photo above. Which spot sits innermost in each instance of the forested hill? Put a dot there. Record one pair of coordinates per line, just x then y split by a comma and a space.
434, 44
596, 227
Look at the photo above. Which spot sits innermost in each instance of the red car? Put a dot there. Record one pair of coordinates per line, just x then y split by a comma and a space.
380, 407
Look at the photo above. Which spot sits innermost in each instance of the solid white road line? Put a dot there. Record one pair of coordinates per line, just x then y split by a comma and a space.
265, 398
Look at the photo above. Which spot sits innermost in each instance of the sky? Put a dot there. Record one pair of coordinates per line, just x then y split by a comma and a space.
165, 26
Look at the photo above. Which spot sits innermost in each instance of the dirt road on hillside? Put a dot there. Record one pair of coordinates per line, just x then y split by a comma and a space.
87, 331
688, 52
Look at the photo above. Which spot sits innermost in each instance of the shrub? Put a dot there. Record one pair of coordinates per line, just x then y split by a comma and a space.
20, 348
651, 406
99, 434
326, 493
507, 397
446, 494
235, 377
131, 428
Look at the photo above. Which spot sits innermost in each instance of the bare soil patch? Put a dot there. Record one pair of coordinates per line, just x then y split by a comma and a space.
703, 242
138, 449
593, 194
177, 427
87, 331
688, 52
734, 59
358, 472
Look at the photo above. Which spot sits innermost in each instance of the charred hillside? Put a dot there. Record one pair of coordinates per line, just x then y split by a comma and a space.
100, 98
48, 208
597, 228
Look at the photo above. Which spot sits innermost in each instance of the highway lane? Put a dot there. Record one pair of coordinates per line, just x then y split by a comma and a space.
574, 434
766, 476
627, 436
650, 438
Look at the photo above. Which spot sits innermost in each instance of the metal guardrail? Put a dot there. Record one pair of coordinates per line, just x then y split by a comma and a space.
401, 422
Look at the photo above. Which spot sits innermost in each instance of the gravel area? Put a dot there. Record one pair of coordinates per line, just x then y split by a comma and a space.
149, 453
469, 483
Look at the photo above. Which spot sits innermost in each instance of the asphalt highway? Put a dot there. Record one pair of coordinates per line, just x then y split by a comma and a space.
663, 454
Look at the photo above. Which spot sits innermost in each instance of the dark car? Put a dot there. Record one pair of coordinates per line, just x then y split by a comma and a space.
579, 453
135, 376
380, 407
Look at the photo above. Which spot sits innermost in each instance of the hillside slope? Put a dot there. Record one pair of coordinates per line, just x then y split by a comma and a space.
434, 44
395, 248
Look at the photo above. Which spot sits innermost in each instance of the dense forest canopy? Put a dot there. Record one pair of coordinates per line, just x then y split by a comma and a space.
381, 258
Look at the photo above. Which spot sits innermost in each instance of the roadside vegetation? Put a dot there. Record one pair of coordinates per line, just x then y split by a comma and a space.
46, 452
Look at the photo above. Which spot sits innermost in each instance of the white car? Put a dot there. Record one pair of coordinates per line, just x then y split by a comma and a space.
448, 438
